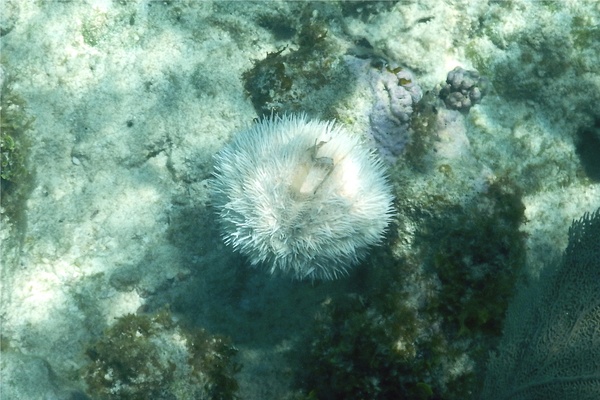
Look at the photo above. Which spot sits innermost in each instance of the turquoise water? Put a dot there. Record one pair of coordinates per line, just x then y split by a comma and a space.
116, 282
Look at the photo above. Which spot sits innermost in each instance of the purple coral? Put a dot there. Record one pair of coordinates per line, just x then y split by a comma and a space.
395, 93
463, 89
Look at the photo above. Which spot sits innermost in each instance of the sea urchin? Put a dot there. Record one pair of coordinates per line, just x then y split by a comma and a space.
301, 196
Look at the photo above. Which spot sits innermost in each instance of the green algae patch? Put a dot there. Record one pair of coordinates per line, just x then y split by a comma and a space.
152, 357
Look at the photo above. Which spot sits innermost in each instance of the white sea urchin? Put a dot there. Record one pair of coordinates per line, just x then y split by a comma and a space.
301, 196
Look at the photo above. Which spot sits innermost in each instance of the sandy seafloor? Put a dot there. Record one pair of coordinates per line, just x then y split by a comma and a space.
131, 100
